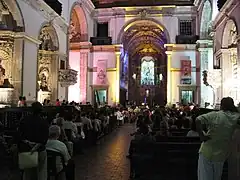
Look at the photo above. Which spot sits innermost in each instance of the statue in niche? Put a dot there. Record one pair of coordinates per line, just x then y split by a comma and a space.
46, 39
233, 35
43, 80
4, 82
73, 33
2, 73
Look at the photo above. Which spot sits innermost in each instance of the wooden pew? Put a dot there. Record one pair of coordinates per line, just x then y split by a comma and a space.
173, 160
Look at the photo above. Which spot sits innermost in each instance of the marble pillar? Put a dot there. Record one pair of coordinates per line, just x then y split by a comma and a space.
83, 75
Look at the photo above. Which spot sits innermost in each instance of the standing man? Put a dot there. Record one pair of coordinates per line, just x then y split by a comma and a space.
219, 127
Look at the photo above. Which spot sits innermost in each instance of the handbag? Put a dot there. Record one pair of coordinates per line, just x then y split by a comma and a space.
27, 160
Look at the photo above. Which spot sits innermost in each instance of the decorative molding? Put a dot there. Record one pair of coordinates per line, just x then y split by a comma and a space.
107, 48
194, 69
143, 12
20, 35
80, 46
221, 51
89, 6
48, 13
111, 69
94, 69
203, 45
180, 47
228, 7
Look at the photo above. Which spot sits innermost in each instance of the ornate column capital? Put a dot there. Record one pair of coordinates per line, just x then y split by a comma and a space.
203, 44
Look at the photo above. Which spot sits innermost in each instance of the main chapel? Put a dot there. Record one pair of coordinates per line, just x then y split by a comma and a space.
118, 51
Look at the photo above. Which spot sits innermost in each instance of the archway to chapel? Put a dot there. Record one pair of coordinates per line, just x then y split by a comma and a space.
48, 64
144, 63
230, 63
11, 22
78, 56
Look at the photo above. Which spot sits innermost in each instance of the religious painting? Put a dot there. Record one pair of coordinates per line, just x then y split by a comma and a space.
186, 70
147, 71
101, 72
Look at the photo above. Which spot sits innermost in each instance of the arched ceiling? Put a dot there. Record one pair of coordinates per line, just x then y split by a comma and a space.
144, 36
8, 18
230, 35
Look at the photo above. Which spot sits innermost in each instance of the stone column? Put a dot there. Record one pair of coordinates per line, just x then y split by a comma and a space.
83, 75
226, 72
169, 77
118, 63
205, 48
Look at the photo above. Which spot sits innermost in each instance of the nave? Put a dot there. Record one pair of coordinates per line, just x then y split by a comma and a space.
107, 160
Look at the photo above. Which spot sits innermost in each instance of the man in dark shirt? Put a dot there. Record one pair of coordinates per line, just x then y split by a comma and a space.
33, 136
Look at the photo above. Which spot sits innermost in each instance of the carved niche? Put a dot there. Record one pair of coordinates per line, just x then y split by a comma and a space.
44, 75
67, 77
3, 9
6, 55
47, 40
232, 36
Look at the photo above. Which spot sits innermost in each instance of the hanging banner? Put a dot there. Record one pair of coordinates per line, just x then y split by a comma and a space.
186, 70
101, 72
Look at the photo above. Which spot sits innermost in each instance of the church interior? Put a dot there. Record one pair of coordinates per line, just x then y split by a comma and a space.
119, 89
117, 51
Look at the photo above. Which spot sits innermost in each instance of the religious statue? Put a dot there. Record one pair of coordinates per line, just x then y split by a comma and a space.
233, 35
43, 82
72, 30
73, 33
46, 39
2, 73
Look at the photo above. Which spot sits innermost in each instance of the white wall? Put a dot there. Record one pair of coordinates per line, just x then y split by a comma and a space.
29, 71
35, 16
110, 57
177, 56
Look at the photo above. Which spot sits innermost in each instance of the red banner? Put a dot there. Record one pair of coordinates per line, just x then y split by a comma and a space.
186, 68
101, 72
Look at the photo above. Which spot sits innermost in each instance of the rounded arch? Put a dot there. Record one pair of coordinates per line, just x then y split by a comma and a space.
14, 9
77, 11
49, 38
206, 18
230, 33
137, 20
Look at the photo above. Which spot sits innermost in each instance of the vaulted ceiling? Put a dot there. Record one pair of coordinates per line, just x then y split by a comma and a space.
144, 36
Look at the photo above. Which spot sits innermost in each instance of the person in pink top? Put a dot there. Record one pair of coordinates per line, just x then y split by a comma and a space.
58, 102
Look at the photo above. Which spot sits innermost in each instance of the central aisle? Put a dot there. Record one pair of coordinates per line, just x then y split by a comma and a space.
106, 161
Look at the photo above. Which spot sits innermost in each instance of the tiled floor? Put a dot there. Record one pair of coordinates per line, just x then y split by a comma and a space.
106, 161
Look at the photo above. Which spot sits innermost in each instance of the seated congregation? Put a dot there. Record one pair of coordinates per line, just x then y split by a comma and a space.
53, 135
181, 144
